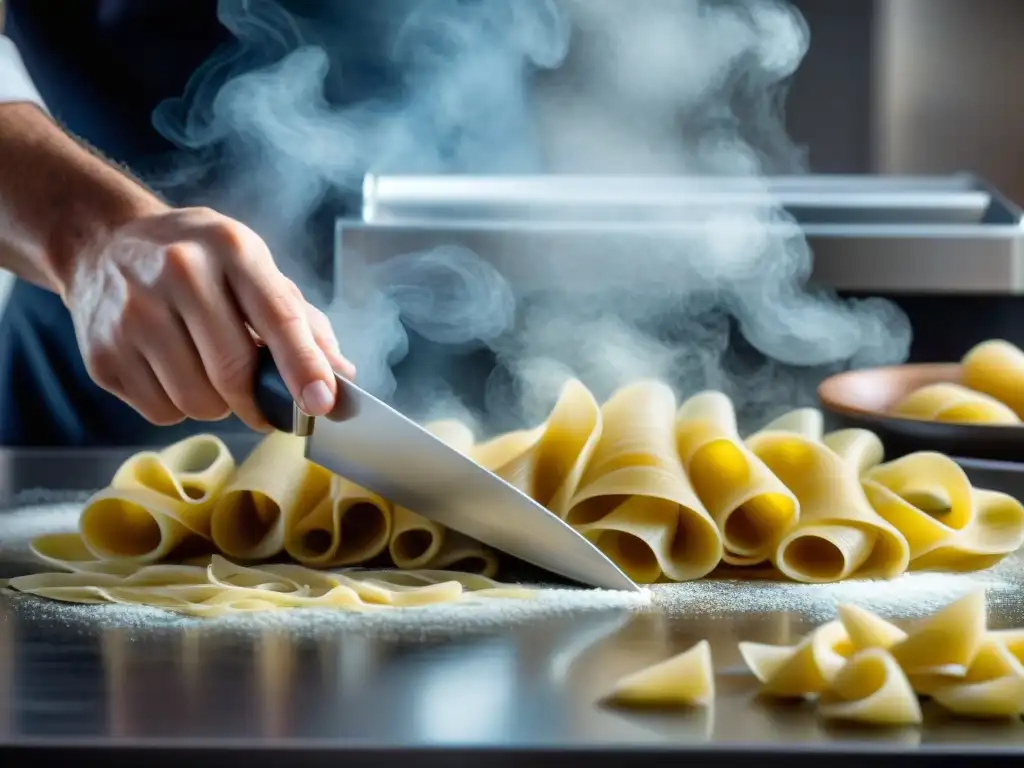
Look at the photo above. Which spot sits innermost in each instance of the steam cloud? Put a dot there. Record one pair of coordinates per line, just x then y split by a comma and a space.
494, 86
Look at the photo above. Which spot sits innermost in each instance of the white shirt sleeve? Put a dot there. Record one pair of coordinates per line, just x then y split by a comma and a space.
15, 83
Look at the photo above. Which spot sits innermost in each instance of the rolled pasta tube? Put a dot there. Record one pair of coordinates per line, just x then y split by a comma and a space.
415, 541
461, 553
801, 670
347, 526
260, 504
996, 368
871, 688
156, 501
954, 404
750, 506
996, 530
635, 483
925, 495
547, 462
839, 534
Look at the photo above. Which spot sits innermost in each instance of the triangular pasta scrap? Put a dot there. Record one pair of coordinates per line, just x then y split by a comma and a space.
806, 669
947, 641
867, 630
993, 686
871, 688
684, 680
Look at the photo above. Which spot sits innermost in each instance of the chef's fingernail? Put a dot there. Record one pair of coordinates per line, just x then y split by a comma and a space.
317, 399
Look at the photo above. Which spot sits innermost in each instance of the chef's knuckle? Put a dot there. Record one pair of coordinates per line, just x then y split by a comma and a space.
101, 364
182, 262
233, 371
163, 415
231, 237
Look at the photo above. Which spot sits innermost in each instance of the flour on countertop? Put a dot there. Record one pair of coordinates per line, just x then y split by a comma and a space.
19, 527
910, 596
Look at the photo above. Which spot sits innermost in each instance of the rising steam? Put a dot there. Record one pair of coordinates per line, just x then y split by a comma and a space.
302, 107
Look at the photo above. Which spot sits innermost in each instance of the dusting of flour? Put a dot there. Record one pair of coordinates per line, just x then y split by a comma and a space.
20, 526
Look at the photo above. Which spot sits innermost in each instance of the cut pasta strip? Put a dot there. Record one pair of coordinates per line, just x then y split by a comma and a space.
871, 688
683, 681
996, 368
750, 506
223, 587
635, 501
866, 630
947, 642
955, 404
803, 670
838, 534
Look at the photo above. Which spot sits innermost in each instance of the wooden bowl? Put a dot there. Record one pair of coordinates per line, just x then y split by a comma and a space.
863, 398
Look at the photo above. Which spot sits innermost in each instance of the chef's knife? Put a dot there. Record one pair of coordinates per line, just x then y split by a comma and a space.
373, 445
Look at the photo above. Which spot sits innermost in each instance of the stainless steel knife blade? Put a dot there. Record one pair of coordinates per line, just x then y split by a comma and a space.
371, 444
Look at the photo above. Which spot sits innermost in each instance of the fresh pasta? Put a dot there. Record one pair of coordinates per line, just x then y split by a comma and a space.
669, 491
992, 375
685, 680
865, 669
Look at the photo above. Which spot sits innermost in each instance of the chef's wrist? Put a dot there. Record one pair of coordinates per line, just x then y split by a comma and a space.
63, 200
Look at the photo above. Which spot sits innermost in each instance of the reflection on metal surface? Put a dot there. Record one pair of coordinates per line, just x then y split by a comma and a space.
468, 700
276, 670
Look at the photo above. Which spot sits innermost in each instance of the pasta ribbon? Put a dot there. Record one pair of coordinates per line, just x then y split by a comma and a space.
954, 404
635, 501
839, 534
751, 506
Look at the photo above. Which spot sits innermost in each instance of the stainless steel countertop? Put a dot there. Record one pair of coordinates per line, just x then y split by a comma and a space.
526, 692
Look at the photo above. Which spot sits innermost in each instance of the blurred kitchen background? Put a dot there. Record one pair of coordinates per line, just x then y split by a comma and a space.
909, 87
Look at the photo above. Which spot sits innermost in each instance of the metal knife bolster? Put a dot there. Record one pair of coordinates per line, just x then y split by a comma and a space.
275, 401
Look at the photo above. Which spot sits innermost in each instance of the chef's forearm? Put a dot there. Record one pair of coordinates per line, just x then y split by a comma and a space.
57, 198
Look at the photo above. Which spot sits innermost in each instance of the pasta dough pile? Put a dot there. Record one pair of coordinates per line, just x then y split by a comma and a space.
669, 494
861, 668
672, 494
992, 391
190, 504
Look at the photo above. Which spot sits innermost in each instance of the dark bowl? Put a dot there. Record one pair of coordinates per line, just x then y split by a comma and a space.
863, 398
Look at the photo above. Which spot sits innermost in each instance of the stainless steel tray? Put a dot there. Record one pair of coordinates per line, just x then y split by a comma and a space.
950, 234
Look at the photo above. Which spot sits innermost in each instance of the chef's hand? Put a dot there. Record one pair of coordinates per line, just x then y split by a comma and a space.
161, 308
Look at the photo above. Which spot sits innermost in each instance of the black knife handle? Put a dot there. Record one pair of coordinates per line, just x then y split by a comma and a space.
271, 393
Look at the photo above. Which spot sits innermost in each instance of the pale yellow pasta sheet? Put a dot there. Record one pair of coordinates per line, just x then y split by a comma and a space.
635, 501
751, 506
838, 534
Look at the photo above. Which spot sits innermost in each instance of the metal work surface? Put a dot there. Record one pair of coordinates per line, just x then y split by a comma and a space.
128, 688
